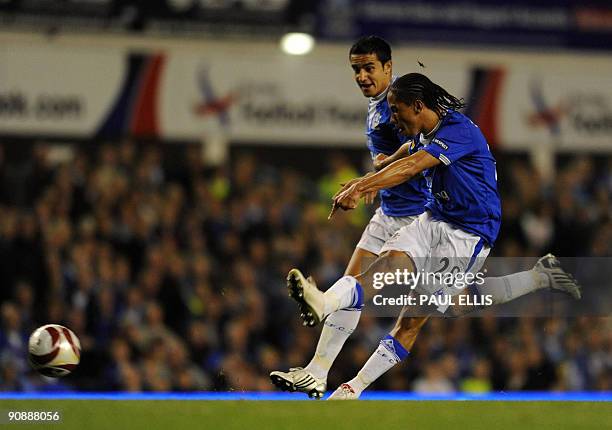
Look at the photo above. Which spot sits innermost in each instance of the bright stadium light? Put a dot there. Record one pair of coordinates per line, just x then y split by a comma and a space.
297, 43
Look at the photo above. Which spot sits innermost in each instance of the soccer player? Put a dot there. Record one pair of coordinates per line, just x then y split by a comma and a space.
370, 59
460, 225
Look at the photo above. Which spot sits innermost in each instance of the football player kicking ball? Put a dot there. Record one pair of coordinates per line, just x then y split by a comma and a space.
370, 59
460, 224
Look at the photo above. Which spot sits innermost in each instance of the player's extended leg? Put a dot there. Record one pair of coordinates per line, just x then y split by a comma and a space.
395, 347
547, 273
338, 326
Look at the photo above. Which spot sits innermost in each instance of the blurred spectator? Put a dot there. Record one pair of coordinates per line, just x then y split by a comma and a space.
434, 380
479, 380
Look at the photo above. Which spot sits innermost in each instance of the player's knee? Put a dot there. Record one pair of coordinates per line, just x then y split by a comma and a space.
394, 255
360, 260
392, 260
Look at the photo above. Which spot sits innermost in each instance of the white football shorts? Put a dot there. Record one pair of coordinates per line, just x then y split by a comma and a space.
380, 229
437, 247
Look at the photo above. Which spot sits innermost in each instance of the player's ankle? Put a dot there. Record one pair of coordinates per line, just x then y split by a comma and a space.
357, 385
317, 371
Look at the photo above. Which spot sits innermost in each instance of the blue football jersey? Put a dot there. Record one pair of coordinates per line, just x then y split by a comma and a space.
408, 198
464, 186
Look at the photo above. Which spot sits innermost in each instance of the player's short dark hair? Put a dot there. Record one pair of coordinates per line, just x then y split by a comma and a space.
372, 45
415, 86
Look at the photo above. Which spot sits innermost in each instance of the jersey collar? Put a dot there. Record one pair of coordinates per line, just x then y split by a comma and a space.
429, 135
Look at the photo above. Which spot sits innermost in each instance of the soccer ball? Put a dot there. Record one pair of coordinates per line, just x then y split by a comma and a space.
54, 350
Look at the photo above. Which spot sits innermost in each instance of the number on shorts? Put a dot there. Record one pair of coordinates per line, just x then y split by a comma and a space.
445, 263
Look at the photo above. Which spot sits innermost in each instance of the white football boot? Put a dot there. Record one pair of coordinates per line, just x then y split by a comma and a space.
558, 278
309, 297
344, 392
299, 379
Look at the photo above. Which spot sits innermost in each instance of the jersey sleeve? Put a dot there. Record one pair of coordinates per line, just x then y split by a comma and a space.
450, 144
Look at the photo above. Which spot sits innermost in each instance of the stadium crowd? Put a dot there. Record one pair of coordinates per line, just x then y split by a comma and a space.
172, 273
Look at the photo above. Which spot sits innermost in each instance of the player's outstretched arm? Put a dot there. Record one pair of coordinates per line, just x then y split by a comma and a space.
402, 152
397, 172
346, 185
394, 174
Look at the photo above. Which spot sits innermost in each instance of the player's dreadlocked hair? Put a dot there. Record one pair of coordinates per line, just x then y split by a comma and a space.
415, 86
372, 45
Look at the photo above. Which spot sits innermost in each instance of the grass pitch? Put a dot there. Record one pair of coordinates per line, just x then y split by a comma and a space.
352, 415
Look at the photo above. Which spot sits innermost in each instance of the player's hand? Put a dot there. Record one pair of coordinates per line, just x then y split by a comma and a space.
378, 161
368, 198
345, 186
349, 198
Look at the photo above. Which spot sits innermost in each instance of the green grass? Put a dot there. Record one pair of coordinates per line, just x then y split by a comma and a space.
369, 415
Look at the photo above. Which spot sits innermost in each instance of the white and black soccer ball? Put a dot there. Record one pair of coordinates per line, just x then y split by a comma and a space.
54, 350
